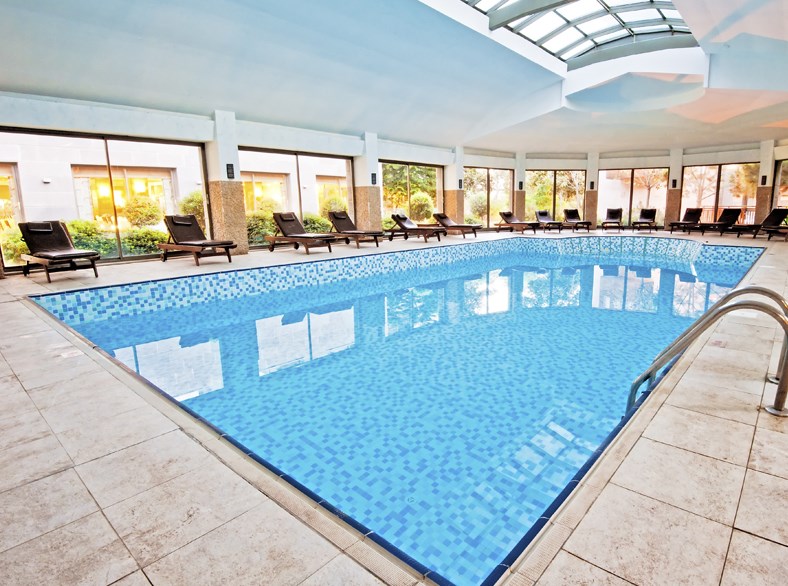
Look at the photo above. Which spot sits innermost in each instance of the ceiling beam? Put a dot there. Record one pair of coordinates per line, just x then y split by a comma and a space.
633, 47
506, 14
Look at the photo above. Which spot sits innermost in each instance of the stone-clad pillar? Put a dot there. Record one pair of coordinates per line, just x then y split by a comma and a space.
763, 195
763, 202
454, 204
673, 206
589, 206
519, 204
366, 190
228, 213
675, 176
368, 212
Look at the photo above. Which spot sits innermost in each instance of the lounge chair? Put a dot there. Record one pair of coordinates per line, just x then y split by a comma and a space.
345, 227
291, 231
408, 227
727, 218
511, 222
647, 219
772, 225
690, 219
187, 236
572, 219
613, 219
546, 221
452, 226
51, 246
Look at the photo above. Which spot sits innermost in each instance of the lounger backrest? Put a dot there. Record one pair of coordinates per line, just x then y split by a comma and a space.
775, 218
184, 228
403, 221
288, 223
648, 215
692, 215
510, 218
543, 216
614, 214
341, 221
729, 216
48, 236
572, 215
444, 220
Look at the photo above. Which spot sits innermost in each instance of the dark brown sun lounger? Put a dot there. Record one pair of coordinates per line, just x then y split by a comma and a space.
691, 218
51, 246
452, 226
291, 231
345, 226
408, 227
613, 219
511, 222
187, 236
772, 225
573, 220
647, 219
546, 221
727, 218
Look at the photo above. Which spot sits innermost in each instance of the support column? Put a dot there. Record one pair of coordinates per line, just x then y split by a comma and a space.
225, 190
673, 200
518, 205
367, 186
763, 195
591, 199
453, 192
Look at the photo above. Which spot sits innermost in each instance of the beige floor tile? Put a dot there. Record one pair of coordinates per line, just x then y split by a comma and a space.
768, 421
342, 571
69, 364
41, 506
744, 332
279, 550
740, 341
695, 395
705, 486
735, 362
9, 384
14, 404
752, 560
32, 460
85, 388
645, 541
710, 436
129, 472
703, 375
86, 551
90, 413
770, 453
24, 351
114, 433
568, 569
158, 521
138, 578
762, 509
5, 368
21, 428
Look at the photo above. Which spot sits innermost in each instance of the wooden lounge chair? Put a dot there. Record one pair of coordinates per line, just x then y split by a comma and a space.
345, 227
291, 231
772, 225
572, 219
727, 218
546, 221
187, 236
647, 219
51, 246
511, 222
613, 219
452, 226
690, 219
407, 227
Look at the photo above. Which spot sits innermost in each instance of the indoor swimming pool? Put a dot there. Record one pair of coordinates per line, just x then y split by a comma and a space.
444, 400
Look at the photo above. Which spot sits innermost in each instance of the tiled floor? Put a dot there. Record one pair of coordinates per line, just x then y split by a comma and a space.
102, 481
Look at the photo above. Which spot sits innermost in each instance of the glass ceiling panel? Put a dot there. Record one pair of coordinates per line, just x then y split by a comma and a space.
558, 31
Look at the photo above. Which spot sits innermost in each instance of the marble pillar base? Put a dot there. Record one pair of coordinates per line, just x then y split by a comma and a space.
763, 202
519, 205
673, 209
590, 203
228, 213
454, 204
367, 206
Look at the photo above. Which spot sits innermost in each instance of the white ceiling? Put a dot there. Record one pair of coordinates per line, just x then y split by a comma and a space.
402, 69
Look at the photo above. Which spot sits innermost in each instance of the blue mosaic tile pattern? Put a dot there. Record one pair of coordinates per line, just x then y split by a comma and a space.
443, 409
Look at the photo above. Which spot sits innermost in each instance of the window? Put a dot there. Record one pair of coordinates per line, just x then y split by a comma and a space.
633, 190
487, 193
415, 190
554, 191
715, 187
781, 185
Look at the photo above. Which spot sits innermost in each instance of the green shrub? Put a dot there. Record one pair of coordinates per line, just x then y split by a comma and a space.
13, 246
420, 207
192, 205
388, 224
479, 205
86, 234
333, 203
258, 226
315, 223
473, 220
142, 211
142, 241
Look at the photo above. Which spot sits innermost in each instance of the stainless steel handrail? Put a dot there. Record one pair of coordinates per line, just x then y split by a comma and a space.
696, 329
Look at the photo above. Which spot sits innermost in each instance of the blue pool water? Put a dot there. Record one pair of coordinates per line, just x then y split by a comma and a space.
443, 407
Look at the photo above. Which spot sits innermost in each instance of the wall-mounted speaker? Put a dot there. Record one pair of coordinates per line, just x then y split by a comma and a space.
674, 184
374, 178
763, 179
520, 186
460, 183
592, 186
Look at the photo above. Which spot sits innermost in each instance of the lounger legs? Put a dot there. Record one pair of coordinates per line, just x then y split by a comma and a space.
227, 252
95, 270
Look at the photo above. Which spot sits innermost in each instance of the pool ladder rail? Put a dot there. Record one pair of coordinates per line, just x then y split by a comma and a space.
715, 312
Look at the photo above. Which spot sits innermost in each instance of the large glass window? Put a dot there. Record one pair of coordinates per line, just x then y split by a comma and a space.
554, 191
539, 191
633, 190
716, 187
415, 190
113, 205
615, 190
308, 185
781, 185
699, 189
487, 193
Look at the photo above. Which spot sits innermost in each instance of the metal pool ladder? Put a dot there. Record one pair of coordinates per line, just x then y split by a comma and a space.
715, 312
